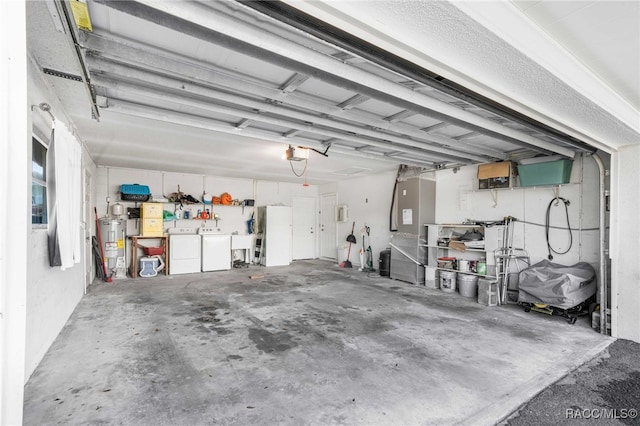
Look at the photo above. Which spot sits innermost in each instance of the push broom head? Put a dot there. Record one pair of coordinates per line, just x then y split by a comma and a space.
346, 264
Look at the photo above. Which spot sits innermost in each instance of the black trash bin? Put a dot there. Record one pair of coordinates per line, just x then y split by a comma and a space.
385, 263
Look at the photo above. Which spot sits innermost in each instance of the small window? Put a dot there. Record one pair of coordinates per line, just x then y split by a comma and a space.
38, 182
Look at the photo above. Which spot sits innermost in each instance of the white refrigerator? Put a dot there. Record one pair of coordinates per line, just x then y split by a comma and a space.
274, 223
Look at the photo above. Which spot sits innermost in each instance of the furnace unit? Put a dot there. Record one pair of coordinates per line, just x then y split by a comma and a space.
416, 199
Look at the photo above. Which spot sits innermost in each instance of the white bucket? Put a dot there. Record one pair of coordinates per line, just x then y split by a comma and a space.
468, 285
464, 265
431, 277
448, 281
342, 252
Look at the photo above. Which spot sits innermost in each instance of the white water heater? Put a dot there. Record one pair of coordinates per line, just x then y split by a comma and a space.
112, 232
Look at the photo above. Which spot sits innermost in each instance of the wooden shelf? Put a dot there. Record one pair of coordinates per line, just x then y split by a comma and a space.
164, 239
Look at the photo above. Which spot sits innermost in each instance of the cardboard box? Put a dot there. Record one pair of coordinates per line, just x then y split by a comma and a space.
495, 175
151, 211
151, 227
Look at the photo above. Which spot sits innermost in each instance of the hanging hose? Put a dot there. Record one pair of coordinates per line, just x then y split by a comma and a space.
547, 226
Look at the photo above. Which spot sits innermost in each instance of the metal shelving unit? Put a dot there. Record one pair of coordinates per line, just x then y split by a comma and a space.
493, 236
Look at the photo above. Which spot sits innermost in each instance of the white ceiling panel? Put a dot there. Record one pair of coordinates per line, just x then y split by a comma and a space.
183, 86
331, 94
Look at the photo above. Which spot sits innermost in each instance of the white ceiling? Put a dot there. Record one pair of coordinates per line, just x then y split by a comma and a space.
603, 35
219, 89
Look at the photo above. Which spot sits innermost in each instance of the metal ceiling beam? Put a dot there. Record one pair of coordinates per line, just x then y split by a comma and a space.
399, 116
466, 136
214, 26
346, 130
294, 82
291, 133
297, 128
435, 127
243, 124
160, 114
175, 66
353, 101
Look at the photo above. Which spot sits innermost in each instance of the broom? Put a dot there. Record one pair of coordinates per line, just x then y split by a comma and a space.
351, 239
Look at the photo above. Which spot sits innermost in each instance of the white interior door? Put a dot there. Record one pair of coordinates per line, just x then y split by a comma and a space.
328, 239
89, 219
304, 225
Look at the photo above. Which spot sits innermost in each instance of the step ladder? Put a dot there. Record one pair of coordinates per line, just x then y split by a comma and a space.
258, 251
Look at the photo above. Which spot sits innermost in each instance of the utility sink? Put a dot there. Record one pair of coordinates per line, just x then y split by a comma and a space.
239, 242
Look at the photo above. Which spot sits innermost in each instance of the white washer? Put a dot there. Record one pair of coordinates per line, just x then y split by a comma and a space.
184, 251
216, 250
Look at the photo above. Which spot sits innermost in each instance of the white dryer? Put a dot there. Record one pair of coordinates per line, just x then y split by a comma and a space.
184, 251
216, 250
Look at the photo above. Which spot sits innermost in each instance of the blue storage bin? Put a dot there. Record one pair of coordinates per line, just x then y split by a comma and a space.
135, 192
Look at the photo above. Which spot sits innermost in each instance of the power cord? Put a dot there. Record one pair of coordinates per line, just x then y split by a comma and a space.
547, 226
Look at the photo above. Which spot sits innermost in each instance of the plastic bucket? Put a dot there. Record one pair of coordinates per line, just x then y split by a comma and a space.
448, 281
342, 251
431, 277
468, 285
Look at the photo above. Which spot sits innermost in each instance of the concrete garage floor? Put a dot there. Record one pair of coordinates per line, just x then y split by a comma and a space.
306, 344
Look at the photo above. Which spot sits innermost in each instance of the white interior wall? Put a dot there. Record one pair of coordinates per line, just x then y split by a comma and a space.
233, 219
52, 294
15, 200
369, 201
269, 193
625, 236
458, 199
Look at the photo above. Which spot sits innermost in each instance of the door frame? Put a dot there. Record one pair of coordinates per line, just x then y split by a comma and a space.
87, 190
314, 218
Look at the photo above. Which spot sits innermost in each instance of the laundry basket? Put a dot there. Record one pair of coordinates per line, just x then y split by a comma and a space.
153, 251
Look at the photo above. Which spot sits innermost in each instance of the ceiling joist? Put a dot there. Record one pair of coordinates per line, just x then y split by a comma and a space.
205, 23
108, 55
139, 82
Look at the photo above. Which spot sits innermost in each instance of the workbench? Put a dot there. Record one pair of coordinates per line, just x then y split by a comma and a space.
134, 252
